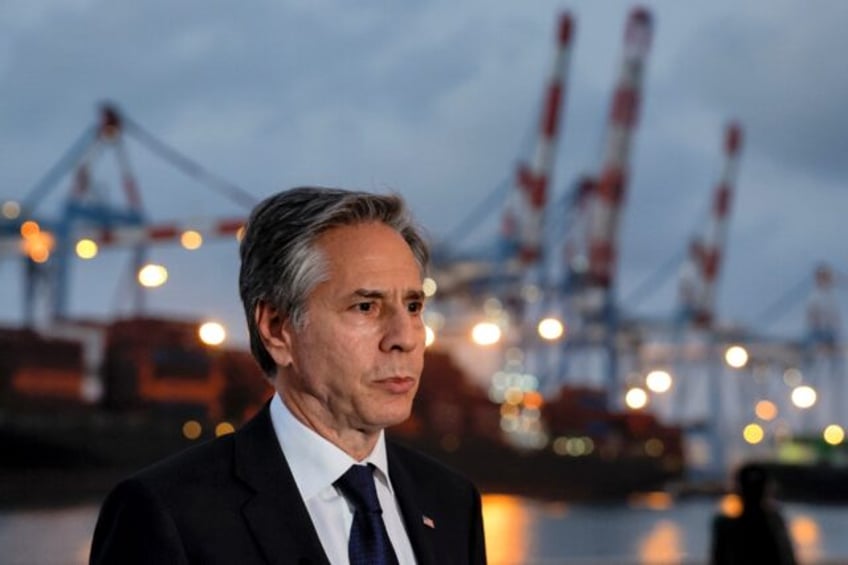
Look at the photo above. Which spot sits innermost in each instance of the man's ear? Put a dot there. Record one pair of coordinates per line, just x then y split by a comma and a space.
275, 332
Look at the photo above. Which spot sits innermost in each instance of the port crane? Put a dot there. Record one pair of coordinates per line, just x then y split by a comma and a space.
554, 262
89, 220
555, 266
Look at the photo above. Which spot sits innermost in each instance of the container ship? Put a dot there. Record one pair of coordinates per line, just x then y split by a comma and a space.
90, 402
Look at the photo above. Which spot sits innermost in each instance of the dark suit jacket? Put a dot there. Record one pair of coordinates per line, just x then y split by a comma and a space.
234, 501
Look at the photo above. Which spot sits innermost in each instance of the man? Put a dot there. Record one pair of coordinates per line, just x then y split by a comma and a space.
331, 285
758, 534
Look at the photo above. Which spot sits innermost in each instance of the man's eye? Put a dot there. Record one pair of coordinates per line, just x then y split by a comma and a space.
415, 307
365, 306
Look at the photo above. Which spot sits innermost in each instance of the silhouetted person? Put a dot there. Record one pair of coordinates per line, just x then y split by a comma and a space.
758, 535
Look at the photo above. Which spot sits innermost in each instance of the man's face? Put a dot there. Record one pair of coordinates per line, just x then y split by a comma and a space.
357, 362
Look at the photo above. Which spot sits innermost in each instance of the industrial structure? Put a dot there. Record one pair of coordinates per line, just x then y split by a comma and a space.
89, 220
559, 277
546, 299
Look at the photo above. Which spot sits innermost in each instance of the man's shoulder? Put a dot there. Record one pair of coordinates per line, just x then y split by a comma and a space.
181, 503
426, 470
209, 463
206, 463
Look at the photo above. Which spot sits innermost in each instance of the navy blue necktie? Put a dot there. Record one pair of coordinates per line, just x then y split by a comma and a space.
369, 542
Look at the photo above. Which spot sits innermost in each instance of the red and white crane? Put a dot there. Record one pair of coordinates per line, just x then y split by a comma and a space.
612, 182
523, 221
714, 239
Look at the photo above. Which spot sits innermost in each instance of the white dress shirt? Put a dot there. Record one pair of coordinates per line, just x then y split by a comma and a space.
316, 464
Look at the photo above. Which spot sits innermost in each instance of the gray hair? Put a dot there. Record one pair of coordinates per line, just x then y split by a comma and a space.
280, 263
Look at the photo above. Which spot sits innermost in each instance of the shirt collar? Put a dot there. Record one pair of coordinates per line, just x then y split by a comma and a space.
316, 463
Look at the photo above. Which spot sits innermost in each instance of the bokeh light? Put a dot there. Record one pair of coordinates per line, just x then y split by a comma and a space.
550, 329
36, 244
658, 381
736, 356
11, 210
834, 434
486, 333
792, 377
29, 228
212, 333
804, 396
192, 429
152, 276
429, 336
86, 249
766, 410
513, 395
533, 399
224, 428
753, 433
429, 287
191, 240
636, 398
731, 505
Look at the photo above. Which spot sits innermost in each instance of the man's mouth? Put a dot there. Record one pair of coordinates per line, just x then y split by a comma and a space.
396, 385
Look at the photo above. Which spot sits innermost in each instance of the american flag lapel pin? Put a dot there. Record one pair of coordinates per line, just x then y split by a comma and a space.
428, 522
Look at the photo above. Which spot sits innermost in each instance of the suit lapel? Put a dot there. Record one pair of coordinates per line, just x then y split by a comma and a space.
276, 513
420, 536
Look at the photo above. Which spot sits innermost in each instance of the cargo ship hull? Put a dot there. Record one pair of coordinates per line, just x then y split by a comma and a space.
72, 427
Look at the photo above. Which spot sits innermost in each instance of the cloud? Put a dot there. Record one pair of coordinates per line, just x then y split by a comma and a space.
783, 77
439, 104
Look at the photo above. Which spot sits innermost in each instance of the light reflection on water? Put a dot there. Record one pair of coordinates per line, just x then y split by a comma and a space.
805, 533
507, 532
663, 544
651, 530
518, 531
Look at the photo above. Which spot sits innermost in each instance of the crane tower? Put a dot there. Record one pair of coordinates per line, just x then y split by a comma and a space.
714, 241
524, 218
612, 183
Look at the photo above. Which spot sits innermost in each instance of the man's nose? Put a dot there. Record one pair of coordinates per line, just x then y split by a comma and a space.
403, 331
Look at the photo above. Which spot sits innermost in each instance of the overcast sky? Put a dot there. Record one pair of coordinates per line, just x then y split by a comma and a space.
436, 100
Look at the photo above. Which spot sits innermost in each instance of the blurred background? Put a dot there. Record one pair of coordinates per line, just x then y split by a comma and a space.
636, 212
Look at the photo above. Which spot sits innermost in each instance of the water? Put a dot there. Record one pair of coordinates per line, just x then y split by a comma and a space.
653, 531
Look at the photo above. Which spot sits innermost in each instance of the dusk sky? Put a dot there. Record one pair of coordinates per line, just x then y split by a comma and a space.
435, 100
